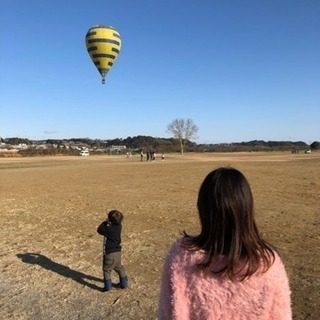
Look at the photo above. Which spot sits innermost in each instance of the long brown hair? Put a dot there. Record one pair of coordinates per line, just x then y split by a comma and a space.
228, 228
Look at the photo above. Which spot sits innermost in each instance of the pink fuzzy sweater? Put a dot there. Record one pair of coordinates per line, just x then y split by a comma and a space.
186, 295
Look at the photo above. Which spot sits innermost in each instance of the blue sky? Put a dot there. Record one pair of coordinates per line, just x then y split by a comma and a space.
240, 69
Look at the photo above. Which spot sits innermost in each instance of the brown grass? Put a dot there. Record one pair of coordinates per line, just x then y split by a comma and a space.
50, 209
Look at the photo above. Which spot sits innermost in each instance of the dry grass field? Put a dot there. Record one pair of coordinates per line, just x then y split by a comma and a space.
50, 208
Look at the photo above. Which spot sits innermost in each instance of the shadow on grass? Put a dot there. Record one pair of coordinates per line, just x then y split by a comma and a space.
46, 263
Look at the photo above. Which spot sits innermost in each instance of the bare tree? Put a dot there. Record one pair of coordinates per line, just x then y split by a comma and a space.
183, 130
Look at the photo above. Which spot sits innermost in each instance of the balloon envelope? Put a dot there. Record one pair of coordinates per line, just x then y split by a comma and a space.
103, 45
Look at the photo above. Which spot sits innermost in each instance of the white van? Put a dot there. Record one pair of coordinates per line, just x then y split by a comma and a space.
84, 153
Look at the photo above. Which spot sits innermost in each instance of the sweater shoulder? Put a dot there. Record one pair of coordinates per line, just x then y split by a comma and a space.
184, 260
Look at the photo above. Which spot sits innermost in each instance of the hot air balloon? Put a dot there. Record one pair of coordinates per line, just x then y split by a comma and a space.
103, 45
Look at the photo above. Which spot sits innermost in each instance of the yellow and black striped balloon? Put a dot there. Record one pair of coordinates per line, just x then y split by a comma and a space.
103, 45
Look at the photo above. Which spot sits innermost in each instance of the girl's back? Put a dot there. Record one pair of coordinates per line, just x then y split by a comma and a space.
187, 293
227, 271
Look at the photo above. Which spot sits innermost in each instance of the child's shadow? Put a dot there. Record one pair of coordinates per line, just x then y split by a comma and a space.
46, 263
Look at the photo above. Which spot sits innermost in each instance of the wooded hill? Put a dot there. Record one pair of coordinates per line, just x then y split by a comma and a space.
148, 143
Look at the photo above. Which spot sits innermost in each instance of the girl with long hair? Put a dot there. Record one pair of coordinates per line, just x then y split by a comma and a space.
227, 271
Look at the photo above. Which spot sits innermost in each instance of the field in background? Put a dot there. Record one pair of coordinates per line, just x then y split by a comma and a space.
50, 208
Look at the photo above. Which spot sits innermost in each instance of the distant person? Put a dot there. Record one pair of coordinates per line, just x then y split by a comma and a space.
111, 230
227, 271
141, 155
148, 155
162, 156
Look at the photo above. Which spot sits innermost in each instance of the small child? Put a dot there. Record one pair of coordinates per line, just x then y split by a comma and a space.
111, 230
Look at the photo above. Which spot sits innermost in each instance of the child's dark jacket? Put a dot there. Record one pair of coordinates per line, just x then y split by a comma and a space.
112, 234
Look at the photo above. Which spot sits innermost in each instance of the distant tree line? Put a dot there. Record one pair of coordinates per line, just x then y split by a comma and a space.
255, 145
50, 151
148, 143
315, 145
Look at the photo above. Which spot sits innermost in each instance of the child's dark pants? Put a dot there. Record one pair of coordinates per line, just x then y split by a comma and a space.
112, 261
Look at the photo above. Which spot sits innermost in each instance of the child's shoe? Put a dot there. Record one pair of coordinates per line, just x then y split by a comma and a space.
123, 283
107, 285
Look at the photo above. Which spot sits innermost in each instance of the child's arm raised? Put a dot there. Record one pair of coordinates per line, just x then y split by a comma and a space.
103, 228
